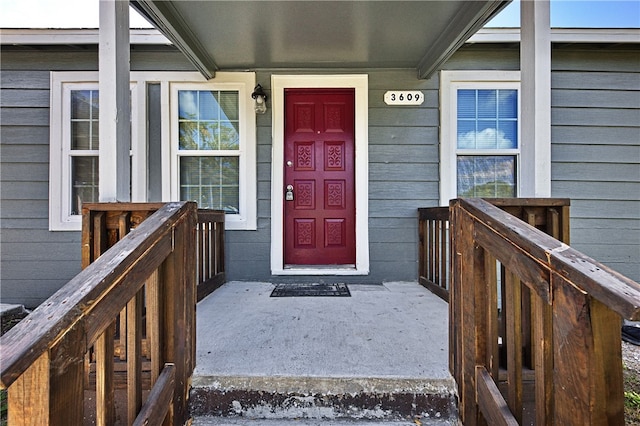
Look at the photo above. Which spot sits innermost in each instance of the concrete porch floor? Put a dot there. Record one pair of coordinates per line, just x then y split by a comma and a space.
385, 338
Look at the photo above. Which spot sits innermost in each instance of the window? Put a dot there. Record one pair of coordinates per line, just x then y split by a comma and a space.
480, 143
213, 148
208, 148
74, 145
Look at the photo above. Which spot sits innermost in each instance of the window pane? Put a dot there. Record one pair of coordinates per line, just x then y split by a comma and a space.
486, 176
466, 134
466, 104
487, 107
209, 136
187, 105
486, 138
84, 119
507, 104
507, 134
188, 135
229, 137
213, 182
81, 104
208, 108
229, 104
81, 135
84, 178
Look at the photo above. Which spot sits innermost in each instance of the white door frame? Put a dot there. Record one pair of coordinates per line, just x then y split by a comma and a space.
359, 82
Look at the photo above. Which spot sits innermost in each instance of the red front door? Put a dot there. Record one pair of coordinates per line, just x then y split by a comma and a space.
319, 156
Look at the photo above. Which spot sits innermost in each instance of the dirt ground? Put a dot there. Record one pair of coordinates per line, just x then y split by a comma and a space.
631, 371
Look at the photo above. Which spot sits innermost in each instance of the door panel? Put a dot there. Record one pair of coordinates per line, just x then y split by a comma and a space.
319, 223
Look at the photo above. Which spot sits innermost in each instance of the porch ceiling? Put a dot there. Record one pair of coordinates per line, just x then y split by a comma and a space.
231, 35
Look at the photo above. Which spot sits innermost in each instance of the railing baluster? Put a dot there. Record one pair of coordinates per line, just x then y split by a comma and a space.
134, 356
431, 253
443, 256
528, 313
154, 300
544, 390
491, 290
514, 344
105, 404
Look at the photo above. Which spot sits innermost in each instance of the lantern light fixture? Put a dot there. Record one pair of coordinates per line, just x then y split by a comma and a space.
260, 98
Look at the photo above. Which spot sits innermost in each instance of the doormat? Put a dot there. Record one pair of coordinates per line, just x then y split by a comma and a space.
311, 290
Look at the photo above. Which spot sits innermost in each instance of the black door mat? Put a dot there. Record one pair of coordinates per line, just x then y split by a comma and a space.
311, 290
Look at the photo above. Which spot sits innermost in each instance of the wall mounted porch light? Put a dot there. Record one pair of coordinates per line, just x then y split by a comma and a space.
261, 100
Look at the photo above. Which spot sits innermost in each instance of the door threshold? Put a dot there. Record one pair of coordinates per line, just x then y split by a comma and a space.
322, 267
350, 269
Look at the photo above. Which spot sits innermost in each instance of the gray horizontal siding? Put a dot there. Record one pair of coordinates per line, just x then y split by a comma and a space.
596, 152
577, 153
610, 240
569, 134
594, 59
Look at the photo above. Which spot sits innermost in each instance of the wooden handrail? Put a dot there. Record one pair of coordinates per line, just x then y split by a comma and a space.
576, 308
42, 358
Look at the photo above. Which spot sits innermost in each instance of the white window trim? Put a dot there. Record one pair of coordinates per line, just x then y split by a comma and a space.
244, 84
60, 218
450, 81
360, 84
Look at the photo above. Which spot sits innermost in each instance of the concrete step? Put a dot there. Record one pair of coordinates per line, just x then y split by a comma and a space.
223, 421
325, 398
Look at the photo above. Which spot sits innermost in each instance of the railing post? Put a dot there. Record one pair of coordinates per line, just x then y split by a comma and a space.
66, 374
587, 353
179, 281
28, 396
468, 270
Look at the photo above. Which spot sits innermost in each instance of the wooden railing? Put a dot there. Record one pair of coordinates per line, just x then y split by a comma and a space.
551, 215
42, 359
210, 260
433, 250
104, 224
577, 308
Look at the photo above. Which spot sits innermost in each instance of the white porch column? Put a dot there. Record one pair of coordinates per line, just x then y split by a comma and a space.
535, 66
115, 102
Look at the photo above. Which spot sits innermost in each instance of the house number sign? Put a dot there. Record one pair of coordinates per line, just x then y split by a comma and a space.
403, 97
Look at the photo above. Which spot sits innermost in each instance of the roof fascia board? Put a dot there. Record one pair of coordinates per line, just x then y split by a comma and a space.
164, 16
61, 36
469, 19
561, 35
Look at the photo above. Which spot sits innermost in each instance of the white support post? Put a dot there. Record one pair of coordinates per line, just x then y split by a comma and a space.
535, 66
115, 102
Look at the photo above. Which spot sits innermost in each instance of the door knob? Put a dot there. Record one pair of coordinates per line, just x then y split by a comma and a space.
289, 194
